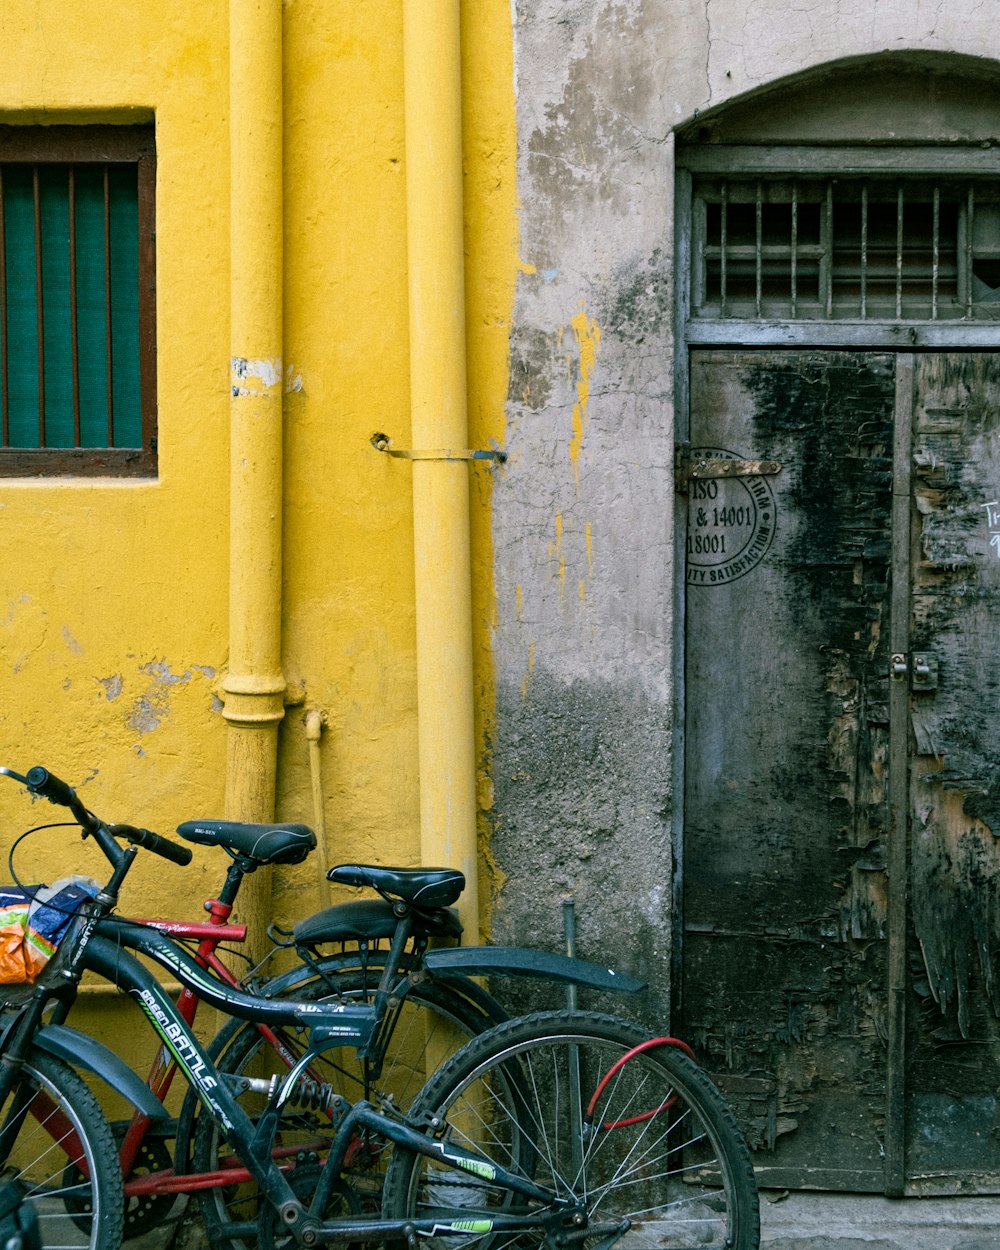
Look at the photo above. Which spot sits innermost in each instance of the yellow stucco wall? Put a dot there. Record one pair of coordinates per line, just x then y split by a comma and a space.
114, 596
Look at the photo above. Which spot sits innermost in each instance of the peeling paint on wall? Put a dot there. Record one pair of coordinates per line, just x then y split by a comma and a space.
71, 642
12, 607
151, 707
112, 686
255, 377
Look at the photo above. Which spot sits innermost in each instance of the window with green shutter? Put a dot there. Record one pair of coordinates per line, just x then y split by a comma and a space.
77, 301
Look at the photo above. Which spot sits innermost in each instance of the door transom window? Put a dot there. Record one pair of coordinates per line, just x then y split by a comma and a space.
828, 248
840, 236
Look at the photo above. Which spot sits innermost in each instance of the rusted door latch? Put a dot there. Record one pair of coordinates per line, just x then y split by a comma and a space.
921, 666
688, 467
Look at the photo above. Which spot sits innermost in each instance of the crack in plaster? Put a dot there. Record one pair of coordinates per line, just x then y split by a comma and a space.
709, 40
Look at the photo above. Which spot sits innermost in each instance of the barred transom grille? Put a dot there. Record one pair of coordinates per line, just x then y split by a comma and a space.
846, 248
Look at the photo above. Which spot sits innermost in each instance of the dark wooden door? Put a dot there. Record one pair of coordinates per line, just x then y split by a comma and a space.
854, 1030
953, 1071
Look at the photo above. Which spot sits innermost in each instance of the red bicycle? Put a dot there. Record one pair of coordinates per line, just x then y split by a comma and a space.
388, 938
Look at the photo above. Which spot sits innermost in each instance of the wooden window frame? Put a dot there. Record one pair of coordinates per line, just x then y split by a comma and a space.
97, 145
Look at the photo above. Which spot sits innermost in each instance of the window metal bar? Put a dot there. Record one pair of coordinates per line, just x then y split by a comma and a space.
723, 243
795, 247
899, 253
146, 192
4, 390
699, 245
969, 222
895, 273
73, 326
828, 232
935, 264
864, 253
107, 307
39, 302
759, 248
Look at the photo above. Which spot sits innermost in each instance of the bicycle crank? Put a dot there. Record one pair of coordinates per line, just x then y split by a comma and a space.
303, 1178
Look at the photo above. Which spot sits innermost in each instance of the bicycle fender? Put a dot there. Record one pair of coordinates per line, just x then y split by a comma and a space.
80, 1051
284, 986
522, 961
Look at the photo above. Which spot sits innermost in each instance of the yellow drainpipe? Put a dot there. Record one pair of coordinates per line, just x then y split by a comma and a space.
254, 687
433, 87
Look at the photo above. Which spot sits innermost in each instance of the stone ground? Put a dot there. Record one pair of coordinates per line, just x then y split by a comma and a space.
798, 1221
812, 1221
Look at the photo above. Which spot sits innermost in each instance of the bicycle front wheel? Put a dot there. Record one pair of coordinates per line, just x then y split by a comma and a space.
59, 1151
634, 1144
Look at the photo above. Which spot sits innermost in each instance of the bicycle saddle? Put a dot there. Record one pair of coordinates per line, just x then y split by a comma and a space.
267, 844
420, 887
368, 920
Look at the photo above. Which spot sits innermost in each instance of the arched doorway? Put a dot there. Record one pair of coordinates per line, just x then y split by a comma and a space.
840, 476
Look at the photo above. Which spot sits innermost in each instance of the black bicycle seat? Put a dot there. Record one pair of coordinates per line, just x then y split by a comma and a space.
266, 844
420, 887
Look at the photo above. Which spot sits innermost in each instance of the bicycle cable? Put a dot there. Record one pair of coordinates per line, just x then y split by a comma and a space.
32, 891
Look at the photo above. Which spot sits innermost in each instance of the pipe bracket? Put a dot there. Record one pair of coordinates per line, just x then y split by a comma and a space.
382, 442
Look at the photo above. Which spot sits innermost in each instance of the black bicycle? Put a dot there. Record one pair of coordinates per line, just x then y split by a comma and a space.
428, 1003
557, 1128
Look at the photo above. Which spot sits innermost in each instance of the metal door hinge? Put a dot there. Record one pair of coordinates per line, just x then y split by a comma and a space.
688, 467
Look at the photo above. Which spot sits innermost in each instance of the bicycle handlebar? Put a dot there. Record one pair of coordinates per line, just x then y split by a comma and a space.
40, 781
154, 842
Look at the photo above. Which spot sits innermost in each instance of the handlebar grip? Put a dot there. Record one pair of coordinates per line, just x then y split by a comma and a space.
48, 785
153, 842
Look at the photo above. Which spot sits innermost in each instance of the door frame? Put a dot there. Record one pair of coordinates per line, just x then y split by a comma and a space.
902, 337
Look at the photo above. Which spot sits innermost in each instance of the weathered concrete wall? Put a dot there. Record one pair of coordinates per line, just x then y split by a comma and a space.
583, 511
582, 523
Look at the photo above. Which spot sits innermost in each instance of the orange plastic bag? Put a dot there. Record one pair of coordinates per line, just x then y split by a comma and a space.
32, 923
14, 905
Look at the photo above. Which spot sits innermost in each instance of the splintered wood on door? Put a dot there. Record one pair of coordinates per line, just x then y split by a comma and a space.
954, 1059
785, 746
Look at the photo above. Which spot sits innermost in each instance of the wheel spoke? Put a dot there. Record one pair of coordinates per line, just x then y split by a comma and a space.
660, 1157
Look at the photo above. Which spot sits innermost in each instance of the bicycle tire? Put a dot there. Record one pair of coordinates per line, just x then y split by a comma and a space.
424, 1015
651, 1142
72, 1180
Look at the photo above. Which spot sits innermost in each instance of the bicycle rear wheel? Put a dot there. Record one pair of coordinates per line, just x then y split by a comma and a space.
59, 1151
429, 1020
636, 1143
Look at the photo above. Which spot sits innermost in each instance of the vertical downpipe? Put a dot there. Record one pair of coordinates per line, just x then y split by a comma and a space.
435, 241
254, 687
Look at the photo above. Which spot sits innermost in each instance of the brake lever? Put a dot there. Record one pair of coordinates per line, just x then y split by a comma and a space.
9, 772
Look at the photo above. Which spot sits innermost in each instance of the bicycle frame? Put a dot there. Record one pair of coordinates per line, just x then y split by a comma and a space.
152, 936
164, 1065
108, 954
103, 944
